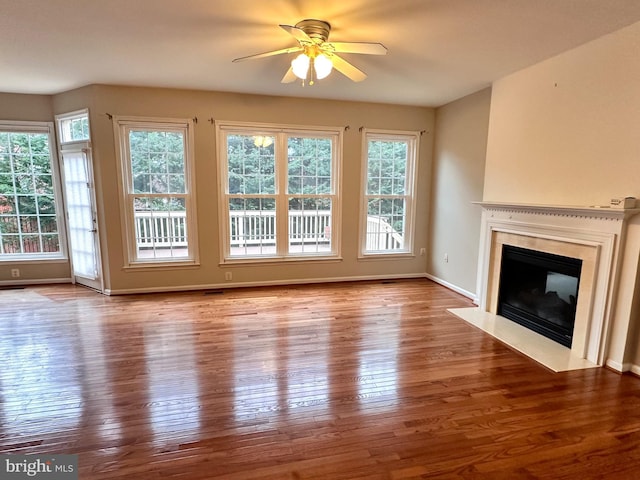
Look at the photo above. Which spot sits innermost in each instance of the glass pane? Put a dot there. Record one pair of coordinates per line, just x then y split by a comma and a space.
10, 244
27, 204
5, 162
23, 184
155, 154
28, 224
22, 164
309, 225
45, 204
75, 128
176, 183
43, 184
6, 184
8, 224
41, 164
31, 244
7, 203
50, 243
387, 167
161, 228
251, 164
252, 226
309, 165
48, 224
385, 224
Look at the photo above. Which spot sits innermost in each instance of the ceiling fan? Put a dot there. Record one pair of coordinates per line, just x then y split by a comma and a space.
317, 56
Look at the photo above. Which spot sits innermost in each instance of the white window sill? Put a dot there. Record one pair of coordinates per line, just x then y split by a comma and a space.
386, 256
32, 259
161, 266
279, 260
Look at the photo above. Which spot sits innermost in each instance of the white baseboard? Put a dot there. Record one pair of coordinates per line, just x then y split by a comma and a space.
618, 367
225, 285
41, 281
455, 288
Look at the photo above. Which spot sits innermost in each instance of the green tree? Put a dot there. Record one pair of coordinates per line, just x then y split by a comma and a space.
157, 167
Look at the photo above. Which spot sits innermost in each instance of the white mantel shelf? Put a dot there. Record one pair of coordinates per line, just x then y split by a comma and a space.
592, 211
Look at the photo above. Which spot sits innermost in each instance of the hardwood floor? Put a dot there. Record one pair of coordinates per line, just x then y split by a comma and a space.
372, 380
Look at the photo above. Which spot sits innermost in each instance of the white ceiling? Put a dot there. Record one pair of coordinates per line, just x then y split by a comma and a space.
439, 50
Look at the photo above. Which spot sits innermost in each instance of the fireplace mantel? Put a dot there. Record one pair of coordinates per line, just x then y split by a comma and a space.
595, 212
594, 234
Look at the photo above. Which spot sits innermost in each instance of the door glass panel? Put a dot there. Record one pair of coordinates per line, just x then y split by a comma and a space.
80, 211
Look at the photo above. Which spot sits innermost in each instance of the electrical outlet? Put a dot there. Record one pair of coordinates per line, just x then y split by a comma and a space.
446, 258
15, 272
228, 276
423, 252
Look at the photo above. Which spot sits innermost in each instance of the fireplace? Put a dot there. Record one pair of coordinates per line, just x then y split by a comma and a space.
539, 291
598, 237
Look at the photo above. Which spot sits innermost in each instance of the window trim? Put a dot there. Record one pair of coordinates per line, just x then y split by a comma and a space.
281, 132
411, 181
122, 125
62, 256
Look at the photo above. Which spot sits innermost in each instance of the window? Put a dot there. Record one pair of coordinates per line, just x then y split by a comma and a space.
156, 169
31, 225
279, 192
389, 173
73, 127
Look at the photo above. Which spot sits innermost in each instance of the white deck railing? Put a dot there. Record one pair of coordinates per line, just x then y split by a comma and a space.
161, 229
381, 235
255, 227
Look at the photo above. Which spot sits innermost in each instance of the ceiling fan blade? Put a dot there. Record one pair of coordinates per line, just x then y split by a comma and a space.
347, 69
297, 33
289, 76
269, 54
365, 48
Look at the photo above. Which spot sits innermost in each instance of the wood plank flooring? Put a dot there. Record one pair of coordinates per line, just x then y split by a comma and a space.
368, 380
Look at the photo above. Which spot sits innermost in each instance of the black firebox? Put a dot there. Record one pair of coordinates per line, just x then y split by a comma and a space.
539, 290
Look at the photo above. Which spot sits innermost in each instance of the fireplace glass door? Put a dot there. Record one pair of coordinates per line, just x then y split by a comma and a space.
540, 291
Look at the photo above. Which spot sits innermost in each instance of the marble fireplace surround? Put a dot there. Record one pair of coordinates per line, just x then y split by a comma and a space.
593, 234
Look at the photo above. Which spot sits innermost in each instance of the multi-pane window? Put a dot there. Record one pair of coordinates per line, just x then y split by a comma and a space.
279, 192
389, 189
74, 127
30, 222
157, 179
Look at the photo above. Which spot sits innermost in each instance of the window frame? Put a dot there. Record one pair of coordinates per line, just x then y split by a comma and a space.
412, 138
62, 255
122, 126
281, 133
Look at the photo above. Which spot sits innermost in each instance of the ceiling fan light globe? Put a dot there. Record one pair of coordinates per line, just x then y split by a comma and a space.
300, 66
323, 66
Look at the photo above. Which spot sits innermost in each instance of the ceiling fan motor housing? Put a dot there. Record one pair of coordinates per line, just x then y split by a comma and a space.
317, 30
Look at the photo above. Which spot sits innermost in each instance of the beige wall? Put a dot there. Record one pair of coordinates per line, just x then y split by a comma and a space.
565, 132
457, 180
31, 108
224, 106
34, 108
